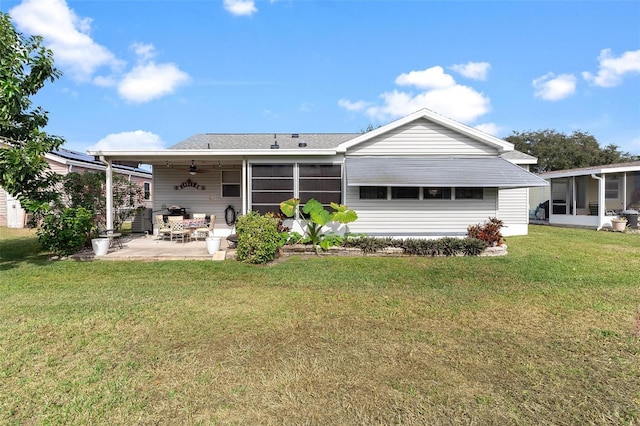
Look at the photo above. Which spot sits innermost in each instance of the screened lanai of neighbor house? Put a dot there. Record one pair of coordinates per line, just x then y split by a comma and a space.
592, 196
422, 175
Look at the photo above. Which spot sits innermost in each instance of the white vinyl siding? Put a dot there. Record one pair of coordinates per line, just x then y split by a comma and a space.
419, 217
423, 137
205, 200
3, 207
513, 206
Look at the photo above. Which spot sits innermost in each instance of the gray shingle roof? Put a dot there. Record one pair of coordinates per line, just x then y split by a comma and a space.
257, 141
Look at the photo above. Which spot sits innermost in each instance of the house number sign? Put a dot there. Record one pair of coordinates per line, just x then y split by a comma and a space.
189, 184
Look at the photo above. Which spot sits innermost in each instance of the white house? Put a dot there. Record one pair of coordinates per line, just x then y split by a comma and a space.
422, 175
64, 161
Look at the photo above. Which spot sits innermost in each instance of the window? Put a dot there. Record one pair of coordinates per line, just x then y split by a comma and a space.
231, 183
320, 181
465, 193
405, 193
611, 188
437, 193
146, 187
373, 192
270, 185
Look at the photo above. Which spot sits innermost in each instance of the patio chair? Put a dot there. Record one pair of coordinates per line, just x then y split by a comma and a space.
163, 228
205, 230
178, 229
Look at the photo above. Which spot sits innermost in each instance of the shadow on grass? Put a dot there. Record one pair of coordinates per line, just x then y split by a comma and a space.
16, 251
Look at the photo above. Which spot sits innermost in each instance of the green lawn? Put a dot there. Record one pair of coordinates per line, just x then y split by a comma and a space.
549, 334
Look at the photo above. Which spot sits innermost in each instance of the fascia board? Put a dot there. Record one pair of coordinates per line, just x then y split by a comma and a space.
168, 154
587, 172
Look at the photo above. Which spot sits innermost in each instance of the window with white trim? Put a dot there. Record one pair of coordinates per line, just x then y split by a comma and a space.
146, 187
322, 182
231, 183
437, 193
373, 192
270, 185
469, 193
405, 193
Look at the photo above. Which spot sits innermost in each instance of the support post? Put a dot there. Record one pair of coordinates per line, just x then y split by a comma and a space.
108, 192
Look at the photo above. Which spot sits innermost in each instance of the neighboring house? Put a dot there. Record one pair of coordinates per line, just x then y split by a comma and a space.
422, 175
64, 161
591, 196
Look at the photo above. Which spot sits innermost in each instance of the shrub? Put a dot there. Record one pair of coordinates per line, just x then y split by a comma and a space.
367, 244
67, 231
489, 232
473, 246
258, 238
449, 246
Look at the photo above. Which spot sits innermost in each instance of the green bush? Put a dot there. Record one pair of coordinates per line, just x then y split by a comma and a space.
447, 246
368, 245
67, 231
473, 246
258, 238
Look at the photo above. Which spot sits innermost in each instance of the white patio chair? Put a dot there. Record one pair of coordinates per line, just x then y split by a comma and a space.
178, 229
205, 231
164, 230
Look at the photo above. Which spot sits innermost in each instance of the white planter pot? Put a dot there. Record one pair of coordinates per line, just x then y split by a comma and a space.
213, 244
100, 246
618, 225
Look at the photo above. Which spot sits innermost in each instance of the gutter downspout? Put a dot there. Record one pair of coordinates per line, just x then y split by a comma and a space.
108, 192
601, 206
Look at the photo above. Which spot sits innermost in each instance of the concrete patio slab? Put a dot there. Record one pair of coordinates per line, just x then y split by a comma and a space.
148, 248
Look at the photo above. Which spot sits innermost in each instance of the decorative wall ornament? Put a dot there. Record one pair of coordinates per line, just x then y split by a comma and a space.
189, 184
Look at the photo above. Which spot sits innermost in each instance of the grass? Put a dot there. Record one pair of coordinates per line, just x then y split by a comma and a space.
549, 334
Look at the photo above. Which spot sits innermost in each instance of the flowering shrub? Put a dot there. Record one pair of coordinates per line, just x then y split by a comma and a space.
489, 232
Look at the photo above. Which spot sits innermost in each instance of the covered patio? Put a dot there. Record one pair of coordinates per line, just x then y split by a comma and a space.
591, 196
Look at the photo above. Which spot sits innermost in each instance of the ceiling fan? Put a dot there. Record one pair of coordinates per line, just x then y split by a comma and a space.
192, 169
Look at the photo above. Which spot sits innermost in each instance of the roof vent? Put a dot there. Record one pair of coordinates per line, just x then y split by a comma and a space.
275, 143
295, 135
302, 144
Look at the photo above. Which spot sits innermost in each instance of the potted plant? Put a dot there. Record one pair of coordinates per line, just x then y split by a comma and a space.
619, 223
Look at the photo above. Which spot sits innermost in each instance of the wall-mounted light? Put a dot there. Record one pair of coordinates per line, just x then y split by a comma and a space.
193, 169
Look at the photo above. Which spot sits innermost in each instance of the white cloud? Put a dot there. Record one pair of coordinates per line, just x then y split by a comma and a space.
554, 88
150, 81
144, 51
66, 34
612, 69
240, 7
490, 128
136, 140
473, 70
440, 93
353, 106
430, 78
76, 52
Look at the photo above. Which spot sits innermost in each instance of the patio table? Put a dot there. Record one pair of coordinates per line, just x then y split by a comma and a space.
193, 223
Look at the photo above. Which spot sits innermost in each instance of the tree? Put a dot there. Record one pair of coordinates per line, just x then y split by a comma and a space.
25, 66
88, 190
558, 151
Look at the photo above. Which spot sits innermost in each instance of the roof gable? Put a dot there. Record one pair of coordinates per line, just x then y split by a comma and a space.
496, 143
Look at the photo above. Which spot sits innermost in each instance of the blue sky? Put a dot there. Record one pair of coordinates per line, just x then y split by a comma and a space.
148, 74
